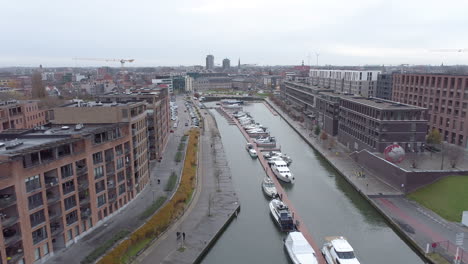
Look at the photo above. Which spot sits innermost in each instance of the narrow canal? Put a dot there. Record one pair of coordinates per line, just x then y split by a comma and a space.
328, 205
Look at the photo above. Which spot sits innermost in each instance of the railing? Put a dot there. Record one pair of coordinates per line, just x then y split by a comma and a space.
448, 249
81, 170
12, 239
84, 201
7, 221
16, 257
7, 200
53, 198
83, 185
51, 182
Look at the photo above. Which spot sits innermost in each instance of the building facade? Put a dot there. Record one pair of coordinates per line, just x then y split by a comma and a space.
384, 86
361, 83
374, 124
210, 62
446, 97
212, 83
20, 115
157, 110
60, 182
226, 64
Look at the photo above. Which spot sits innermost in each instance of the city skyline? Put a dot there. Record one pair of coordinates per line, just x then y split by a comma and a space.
363, 32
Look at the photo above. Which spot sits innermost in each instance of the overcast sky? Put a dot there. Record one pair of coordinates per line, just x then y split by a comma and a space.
264, 32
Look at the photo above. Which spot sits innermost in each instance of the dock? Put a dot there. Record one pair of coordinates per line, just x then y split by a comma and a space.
297, 218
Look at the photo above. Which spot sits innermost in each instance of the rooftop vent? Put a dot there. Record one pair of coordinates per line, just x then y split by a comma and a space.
114, 104
99, 104
79, 126
65, 127
13, 144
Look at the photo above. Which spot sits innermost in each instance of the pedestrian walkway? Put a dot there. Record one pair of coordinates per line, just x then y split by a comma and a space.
213, 206
128, 217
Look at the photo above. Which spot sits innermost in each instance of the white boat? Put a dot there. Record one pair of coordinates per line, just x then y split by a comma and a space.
282, 215
269, 187
253, 153
273, 155
299, 250
337, 250
282, 172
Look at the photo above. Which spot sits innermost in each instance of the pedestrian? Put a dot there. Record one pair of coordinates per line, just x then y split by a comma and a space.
159, 181
183, 236
178, 235
281, 196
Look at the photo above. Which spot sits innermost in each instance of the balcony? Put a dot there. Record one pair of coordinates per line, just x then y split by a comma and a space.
54, 214
14, 253
84, 200
8, 221
7, 200
52, 198
56, 228
83, 185
51, 182
11, 236
81, 170
85, 214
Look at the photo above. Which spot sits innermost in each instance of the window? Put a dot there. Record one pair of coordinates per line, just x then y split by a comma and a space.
119, 150
37, 218
98, 172
101, 200
97, 157
71, 217
37, 253
39, 235
70, 202
69, 235
121, 189
120, 163
45, 249
35, 201
32, 183
67, 170
68, 187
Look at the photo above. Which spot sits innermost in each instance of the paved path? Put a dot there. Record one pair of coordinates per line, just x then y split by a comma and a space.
128, 218
213, 205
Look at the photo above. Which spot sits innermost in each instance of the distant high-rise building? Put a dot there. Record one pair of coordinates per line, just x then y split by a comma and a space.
209, 62
226, 64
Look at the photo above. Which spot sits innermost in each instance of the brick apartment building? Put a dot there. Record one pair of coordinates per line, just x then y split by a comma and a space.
446, 97
302, 95
157, 108
20, 115
59, 182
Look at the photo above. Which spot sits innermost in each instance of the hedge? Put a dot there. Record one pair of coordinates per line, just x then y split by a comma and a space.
95, 254
142, 237
171, 183
153, 207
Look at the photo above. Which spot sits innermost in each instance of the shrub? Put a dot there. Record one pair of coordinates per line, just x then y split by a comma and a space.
95, 254
171, 183
153, 207
178, 156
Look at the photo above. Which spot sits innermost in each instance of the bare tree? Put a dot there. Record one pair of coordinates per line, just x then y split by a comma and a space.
454, 154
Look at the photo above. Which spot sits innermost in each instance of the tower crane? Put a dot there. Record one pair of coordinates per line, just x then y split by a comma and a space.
122, 61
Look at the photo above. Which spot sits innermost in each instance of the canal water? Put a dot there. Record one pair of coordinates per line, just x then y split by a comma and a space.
328, 205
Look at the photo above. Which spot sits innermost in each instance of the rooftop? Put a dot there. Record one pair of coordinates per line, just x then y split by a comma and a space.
81, 103
18, 141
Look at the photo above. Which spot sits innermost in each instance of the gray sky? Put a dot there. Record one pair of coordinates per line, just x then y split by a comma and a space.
265, 32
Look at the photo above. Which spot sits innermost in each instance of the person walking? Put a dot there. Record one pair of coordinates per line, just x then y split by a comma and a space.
183, 236
178, 235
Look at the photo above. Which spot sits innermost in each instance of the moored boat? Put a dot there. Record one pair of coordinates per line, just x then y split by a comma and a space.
282, 172
253, 153
269, 188
299, 249
282, 215
337, 250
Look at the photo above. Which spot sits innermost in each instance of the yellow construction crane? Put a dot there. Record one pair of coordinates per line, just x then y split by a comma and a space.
122, 61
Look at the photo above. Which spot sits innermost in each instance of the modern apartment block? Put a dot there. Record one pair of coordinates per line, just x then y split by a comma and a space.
59, 182
164, 82
302, 95
212, 83
446, 97
361, 83
384, 86
20, 115
157, 109
374, 124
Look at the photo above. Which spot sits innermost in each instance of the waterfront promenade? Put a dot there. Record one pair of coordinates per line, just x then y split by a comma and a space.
417, 224
213, 206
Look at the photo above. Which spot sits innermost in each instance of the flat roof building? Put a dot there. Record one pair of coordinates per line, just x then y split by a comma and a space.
446, 97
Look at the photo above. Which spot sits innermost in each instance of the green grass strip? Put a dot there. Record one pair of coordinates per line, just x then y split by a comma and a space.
99, 251
171, 183
178, 156
153, 208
